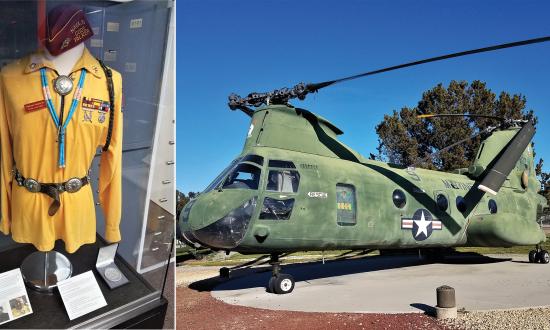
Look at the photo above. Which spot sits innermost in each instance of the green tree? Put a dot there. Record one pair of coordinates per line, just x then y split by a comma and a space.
407, 140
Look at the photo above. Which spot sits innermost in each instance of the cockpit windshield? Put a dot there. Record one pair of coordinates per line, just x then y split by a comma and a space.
244, 176
239, 174
217, 181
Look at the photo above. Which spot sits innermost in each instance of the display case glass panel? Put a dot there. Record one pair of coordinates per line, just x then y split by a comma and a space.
135, 38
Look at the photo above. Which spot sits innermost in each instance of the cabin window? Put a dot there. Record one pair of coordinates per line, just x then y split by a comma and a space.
399, 198
244, 176
492, 206
254, 159
275, 209
281, 163
461, 204
346, 206
285, 181
442, 202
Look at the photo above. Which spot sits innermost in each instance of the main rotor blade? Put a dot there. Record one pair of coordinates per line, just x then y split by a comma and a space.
498, 173
473, 115
301, 90
316, 86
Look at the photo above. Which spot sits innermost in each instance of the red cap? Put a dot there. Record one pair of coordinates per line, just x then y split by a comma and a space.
66, 27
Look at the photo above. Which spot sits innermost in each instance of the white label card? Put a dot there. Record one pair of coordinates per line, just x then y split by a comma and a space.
130, 66
14, 301
81, 295
136, 23
96, 42
113, 26
109, 56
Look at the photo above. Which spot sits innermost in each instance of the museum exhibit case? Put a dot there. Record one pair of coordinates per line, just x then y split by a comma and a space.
88, 195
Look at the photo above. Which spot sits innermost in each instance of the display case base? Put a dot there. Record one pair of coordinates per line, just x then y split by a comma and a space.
134, 305
42, 270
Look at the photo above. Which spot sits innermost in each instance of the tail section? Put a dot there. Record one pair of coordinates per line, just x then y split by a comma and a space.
495, 163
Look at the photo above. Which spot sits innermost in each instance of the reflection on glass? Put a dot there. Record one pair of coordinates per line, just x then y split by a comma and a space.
220, 177
244, 176
346, 207
442, 202
274, 209
283, 181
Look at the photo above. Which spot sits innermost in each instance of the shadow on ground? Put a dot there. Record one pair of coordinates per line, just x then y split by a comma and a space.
248, 277
427, 309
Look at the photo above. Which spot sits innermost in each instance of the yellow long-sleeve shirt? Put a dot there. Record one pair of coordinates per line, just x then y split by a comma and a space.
28, 138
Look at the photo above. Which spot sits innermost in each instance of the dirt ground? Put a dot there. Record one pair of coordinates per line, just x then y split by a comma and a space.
197, 309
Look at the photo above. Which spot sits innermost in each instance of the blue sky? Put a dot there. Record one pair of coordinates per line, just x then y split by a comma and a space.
246, 46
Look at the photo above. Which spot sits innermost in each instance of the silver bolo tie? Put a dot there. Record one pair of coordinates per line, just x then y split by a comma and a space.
62, 85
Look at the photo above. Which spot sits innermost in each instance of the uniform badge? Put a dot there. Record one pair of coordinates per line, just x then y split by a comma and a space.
65, 43
422, 224
34, 106
88, 116
89, 103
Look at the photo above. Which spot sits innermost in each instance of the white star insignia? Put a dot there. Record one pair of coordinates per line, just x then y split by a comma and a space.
422, 225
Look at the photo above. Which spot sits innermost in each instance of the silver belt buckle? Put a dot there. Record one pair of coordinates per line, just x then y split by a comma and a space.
32, 185
73, 185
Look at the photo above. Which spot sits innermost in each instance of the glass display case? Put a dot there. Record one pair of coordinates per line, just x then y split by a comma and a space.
135, 38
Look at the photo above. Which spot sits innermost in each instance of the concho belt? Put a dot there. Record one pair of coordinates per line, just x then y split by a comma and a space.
51, 189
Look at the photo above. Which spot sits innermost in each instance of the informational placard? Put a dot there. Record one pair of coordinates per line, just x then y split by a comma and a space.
81, 295
14, 301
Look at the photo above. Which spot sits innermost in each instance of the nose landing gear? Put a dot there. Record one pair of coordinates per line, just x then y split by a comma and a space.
539, 255
279, 283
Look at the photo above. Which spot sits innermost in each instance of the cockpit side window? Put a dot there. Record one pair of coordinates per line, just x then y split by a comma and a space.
244, 176
286, 181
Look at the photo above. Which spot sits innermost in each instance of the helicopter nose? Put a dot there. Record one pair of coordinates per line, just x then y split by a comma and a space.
224, 233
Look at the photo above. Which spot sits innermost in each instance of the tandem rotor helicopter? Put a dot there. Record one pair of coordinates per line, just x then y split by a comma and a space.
296, 187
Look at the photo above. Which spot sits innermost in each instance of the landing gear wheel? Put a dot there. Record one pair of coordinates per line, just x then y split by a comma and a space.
224, 272
533, 256
271, 284
283, 284
543, 256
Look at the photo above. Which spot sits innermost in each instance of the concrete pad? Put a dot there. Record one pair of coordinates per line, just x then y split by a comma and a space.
398, 284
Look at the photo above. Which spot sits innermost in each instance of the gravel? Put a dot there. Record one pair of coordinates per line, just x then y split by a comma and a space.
533, 318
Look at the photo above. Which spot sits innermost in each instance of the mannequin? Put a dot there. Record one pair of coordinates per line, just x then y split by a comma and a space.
58, 106
65, 62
